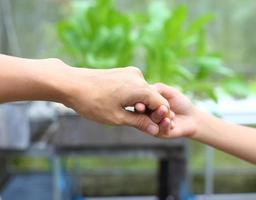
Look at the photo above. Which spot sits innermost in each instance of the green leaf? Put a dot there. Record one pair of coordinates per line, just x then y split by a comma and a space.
199, 23
236, 87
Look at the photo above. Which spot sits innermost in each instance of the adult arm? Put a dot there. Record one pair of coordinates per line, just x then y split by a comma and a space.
99, 95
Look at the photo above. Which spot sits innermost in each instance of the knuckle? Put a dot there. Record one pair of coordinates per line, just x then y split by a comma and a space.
56, 60
159, 84
135, 70
176, 90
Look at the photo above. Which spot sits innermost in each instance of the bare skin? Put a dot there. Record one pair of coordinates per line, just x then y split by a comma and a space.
99, 95
102, 95
194, 124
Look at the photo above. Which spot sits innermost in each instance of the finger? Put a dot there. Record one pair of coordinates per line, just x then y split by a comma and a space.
172, 115
172, 133
172, 125
166, 91
159, 114
140, 107
164, 126
149, 96
153, 100
141, 122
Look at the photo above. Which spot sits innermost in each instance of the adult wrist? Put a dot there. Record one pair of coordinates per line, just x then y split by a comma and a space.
53, 76
70, 84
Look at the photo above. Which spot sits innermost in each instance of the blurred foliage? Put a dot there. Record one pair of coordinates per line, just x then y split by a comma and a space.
100, 36
177, 53
24, 163
171, 48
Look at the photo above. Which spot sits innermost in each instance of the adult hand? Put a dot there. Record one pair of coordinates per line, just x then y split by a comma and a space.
100, 95
103, 95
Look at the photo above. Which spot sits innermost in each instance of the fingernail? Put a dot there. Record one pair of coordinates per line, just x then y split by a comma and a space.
152, 129
162, 110
167, 122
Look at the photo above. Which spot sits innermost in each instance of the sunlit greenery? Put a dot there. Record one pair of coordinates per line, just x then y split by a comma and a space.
161, 40
98, 37
177, 53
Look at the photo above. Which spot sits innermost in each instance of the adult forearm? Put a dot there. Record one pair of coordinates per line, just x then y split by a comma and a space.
28, 79
234, 139
99, 95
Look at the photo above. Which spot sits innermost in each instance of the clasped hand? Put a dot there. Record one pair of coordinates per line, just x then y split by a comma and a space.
159, 110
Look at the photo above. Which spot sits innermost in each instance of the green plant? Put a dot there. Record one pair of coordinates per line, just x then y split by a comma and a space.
175, 49
98, 36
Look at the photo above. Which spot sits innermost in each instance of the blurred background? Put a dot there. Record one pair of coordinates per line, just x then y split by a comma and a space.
205, 48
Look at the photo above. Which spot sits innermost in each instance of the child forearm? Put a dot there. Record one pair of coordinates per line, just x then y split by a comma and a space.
237, 140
